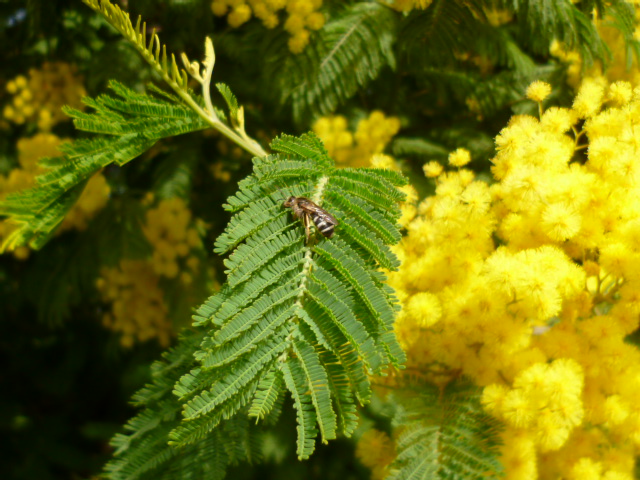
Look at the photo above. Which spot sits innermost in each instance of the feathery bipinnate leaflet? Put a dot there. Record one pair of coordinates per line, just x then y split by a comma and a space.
289, 309
311, 319
444, 433
350, 51
131, 123
128, 123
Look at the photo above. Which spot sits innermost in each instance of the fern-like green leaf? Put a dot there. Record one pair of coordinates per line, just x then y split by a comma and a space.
444, 434
229, 98
133, 123
345, 55
143, 453
318, 382
152, 50
270, 388
434, 36
311, 319
284, 299
302, 401
489, 94
344, 402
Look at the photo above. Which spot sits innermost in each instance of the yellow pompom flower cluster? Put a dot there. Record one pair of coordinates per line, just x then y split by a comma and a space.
302, 16
544, 398
518, 454
138, 311
432, 169
460, 157
356, 149
30, 150
538, 91
539, 320
169, 228
376, 451
39, 96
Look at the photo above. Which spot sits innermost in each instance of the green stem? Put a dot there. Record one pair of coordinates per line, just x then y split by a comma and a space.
120, 21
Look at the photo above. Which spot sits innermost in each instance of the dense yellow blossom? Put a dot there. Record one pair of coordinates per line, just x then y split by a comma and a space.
303, 16
356, 149
137, 311
519, 455
459, 158
620, 93
39, 96
539, 318
381, 160
545, 399
169, 227
538, 91
93, 198
376, 451
432, 169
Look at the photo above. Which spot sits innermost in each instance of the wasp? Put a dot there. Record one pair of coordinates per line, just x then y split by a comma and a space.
307, 210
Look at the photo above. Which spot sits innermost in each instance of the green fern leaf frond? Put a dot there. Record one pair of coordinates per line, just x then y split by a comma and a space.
306, 414
143, 453
317, 379
434, 36
344, 56
313, 320
284, 299
270, 388
152, 51
432, 40
131, 122
178, 79
307, 146
229, 98
444, 433
344, 402
490, 94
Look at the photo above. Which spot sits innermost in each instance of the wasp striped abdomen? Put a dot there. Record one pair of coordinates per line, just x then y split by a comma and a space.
321, 223
307, 210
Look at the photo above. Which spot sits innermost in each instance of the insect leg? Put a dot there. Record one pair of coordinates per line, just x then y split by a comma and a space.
306, 220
